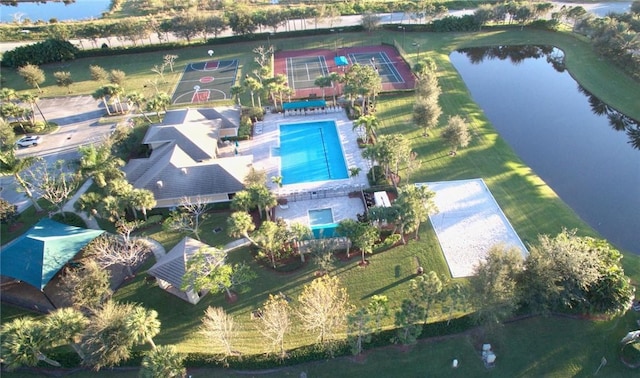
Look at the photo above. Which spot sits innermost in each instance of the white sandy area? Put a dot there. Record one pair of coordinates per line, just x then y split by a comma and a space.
469, 223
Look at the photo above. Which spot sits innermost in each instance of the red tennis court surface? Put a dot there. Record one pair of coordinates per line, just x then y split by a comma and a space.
280, 67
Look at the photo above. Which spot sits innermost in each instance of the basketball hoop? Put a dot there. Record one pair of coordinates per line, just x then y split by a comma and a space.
210, 52
196, 88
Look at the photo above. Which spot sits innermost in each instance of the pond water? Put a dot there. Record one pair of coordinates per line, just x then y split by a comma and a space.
586, 151
78, 10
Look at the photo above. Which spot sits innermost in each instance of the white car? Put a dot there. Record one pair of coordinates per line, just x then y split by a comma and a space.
29, 141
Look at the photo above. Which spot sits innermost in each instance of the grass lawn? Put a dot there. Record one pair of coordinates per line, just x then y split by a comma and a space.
532, 347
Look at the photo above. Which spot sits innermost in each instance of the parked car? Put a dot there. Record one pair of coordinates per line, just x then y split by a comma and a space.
29, 141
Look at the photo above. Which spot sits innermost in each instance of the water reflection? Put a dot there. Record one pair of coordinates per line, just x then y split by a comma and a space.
555, 57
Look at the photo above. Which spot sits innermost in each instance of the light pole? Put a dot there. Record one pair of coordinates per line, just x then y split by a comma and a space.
403, 34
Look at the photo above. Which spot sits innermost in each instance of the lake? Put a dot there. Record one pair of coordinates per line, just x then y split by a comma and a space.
79, 10
579, 146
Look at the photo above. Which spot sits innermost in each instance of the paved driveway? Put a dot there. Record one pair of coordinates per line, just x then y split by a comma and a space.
78, 118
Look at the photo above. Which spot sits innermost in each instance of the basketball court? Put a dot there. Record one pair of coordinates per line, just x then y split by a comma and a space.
206, 81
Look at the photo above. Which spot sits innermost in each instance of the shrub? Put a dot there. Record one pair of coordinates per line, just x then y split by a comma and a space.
72, 219
48, 51
380, 178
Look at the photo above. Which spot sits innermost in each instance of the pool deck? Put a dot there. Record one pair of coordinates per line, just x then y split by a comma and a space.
302, 197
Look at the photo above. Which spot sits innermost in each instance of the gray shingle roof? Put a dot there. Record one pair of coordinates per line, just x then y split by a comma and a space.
172, 267
183, 162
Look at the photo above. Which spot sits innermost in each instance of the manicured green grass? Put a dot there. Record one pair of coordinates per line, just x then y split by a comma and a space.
535, 347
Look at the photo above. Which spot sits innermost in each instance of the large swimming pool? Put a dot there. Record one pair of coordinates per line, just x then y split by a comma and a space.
311, 151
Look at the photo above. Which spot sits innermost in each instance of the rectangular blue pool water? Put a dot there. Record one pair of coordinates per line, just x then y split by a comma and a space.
322, 224
311, 151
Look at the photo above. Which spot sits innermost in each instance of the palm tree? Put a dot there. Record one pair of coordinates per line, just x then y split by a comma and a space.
67, 325
115, 91
236, 91
162, 362
369, 123
322, 82
107, 340
23, 340
263, 198
138, 99
159, 102
101, 94
32, 100
240, 224
254, 86
99, 163
11, 164
143, 199
335, 80
299, 232
242, 201
349, 229
143, 325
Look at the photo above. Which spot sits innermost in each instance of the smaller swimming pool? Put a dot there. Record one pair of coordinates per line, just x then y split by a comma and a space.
322, 224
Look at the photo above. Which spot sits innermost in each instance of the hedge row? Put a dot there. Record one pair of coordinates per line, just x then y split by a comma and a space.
69, 359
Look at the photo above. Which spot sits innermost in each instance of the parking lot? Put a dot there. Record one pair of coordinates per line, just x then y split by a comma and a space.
80, 122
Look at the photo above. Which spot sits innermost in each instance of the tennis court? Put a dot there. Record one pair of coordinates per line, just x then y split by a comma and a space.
303, 67
380, 61
303, 71
206, 81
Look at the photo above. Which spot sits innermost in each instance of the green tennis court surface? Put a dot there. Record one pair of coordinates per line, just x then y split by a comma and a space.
206, 81
381, 63
303, 71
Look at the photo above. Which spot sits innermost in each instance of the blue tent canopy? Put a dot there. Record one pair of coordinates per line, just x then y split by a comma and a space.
341, 61
40, 253
304, 104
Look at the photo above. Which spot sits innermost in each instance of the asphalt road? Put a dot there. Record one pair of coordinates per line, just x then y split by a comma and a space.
599, 9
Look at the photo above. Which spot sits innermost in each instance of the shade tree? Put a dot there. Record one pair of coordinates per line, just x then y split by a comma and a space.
221, 330
87, 287
425, 290
568, 272
53, 181
32, 75
406, 319
274, 322
456, 133
493, 285
208, 270
188, 217
323, 308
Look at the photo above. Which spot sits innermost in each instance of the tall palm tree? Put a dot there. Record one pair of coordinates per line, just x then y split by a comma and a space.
370, 124
23, 341
254, 86
143, 199
32, 100
101, 94
99, 163
138, 99
322, 82
143, 325
164, 362
13, 165
240, 224
107, 340
263, 198
115, 92
67, 325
